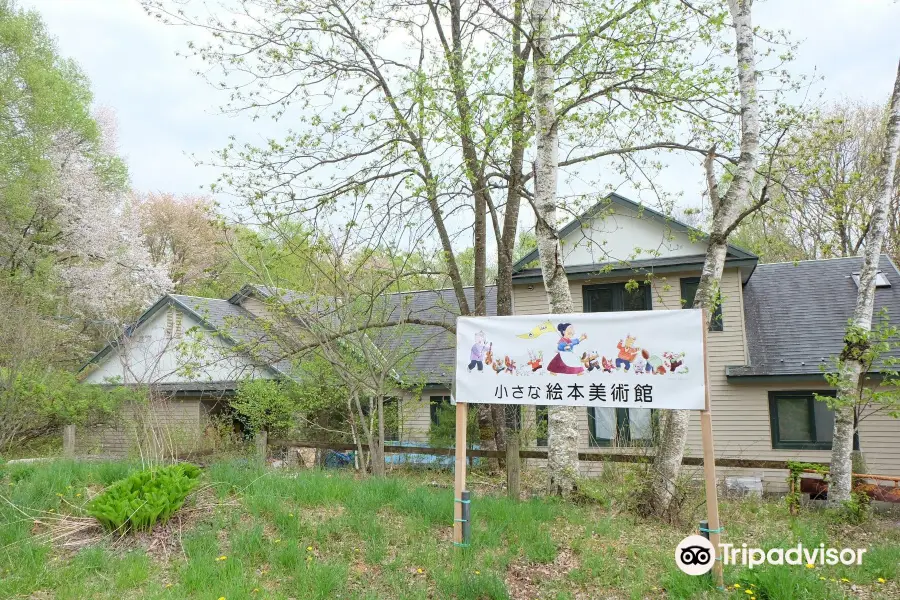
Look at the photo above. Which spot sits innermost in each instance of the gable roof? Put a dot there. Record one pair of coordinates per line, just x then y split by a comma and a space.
434, 360
796, 314
213, 314
613, 198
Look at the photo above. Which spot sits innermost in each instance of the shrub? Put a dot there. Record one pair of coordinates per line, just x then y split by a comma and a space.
142, 499
264, 404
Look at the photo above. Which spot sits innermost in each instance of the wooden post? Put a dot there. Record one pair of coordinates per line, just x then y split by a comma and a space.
709, 467
69, 441
261, 445
460, 468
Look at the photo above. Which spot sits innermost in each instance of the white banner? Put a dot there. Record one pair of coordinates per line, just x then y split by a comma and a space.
640, 359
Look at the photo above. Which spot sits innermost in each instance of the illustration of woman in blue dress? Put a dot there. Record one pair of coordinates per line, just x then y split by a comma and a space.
566, 361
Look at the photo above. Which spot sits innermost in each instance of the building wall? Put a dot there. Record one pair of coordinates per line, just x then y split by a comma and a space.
620, 234
172, 423
740, 412
150, 355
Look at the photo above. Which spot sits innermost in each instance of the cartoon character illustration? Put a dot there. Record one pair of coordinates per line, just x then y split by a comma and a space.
565, 360
535, 360
608, 367
589, 360
639, 366
545, 327
489, 356
675, 360
498, 366
655, 364
627, 352
476, 356
510, 365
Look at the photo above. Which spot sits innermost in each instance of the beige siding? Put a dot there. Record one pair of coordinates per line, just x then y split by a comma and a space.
177, 421
740, 412
415, 415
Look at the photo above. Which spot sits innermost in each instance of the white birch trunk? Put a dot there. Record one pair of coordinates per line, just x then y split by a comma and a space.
851, 368
726, 210
562, 464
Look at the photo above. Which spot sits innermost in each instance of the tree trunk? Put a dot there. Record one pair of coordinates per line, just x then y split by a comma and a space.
666, 468
378, 451
562, 463
507, 242
851, 367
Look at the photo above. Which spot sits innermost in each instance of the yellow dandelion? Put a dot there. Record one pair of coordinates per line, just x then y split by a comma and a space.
221, 558
277, 541
356, 549
168, 585
78, 495
748, 592
309, 548
419, 571
737, 586
810, 566
833, 580
845, 580
255, 591
752, 597
221, 597
478, 572
822, 578
290, 514
309, 558
881, 580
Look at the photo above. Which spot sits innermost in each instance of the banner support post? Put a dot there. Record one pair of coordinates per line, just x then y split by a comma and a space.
709, 467
460, 472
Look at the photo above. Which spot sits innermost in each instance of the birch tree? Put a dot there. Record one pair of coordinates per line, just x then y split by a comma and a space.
562, 456
856, 341
727, 214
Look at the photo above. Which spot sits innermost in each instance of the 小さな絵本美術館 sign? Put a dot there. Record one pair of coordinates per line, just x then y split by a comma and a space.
642, 359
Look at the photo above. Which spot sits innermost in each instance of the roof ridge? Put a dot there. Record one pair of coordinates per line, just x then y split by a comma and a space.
813, 260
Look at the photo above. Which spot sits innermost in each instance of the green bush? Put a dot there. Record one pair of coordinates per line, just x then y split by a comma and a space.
142, 499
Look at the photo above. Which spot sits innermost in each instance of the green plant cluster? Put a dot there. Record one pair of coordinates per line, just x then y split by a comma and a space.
142, 499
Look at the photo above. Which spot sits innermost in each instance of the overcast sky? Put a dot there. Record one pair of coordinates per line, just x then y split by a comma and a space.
166, 113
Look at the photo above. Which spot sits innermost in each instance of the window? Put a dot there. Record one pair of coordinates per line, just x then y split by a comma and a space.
689, 287
800, 422
613, 297
173, 323
542, 418
620, 427
436, 403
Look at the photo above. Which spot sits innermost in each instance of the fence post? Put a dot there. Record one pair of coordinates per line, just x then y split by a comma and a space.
69, 441
261, 443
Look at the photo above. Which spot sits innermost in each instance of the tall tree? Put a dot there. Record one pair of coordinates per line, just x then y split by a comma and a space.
727, 214
852, 364
563, 422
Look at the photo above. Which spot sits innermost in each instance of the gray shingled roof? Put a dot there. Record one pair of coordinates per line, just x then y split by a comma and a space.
796, 313
436, 347
234, 321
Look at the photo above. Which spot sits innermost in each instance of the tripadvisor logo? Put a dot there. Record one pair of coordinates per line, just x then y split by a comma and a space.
695, 555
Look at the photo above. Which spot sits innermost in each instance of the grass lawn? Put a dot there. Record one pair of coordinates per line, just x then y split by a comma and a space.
255, 533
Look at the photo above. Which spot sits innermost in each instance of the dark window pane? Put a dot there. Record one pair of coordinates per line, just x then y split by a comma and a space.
793, 420
636, 299
391, 419
689, 287
436, 403
599, 300
824, 417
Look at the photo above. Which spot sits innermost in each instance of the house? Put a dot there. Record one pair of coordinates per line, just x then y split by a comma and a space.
777, 327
